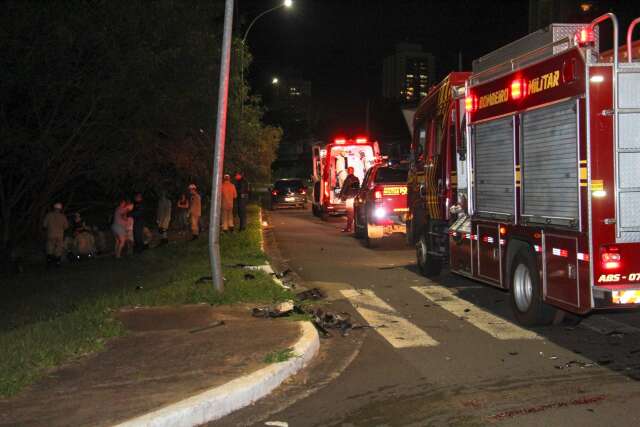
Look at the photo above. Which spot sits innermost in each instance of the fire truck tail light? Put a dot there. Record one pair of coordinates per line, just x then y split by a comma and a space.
610, 258
379, 213
585, 36
518, 89
340, 141
470, 103
377, 193
361, 140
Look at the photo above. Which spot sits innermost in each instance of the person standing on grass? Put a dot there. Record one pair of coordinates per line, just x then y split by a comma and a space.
55, 223
242, 189
195, 211
229, 195
163, 217
182, 212
137, 213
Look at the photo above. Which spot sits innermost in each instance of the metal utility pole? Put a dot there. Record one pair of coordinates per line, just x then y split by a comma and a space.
218, 154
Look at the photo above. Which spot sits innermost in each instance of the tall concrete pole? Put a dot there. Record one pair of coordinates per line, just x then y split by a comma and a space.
218, 154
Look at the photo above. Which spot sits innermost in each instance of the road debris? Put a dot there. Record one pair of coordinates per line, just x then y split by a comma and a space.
282, 274
210, 326
574, 364
279, 310
312, 294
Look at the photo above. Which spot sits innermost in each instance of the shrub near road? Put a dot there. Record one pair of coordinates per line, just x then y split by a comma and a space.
48, 318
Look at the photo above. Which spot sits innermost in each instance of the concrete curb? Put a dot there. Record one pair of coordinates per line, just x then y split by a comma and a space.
220, 401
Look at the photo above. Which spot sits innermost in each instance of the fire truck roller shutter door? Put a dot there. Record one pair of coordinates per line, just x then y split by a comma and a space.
550, 181
494, 167
628, 152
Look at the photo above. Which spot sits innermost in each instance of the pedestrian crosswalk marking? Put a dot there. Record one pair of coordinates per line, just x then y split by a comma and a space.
398, 331
493, 325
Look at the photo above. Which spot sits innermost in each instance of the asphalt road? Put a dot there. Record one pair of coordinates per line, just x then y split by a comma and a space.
443, 352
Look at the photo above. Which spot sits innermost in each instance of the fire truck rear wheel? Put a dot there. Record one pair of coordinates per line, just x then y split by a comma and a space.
526, 292
428, 265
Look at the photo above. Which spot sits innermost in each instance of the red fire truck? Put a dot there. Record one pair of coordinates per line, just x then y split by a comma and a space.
330, 163
536, 188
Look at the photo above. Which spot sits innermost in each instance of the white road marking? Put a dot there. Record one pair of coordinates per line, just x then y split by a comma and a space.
604, 325
399, 332
493, 325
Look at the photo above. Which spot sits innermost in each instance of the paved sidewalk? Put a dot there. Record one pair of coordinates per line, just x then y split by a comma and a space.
170, 354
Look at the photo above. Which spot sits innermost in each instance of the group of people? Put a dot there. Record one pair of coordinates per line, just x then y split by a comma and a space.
129, 220
129, 228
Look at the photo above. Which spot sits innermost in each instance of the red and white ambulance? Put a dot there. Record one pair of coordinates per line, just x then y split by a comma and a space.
330, 163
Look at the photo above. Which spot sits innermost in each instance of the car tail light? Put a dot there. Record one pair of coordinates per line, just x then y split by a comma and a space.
274, 192
377, 193
302, 190
610, 258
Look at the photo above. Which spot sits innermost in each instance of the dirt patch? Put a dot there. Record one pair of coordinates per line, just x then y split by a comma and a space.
160, 362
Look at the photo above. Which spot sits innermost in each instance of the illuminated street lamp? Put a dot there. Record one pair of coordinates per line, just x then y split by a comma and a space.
275, 81
286, 4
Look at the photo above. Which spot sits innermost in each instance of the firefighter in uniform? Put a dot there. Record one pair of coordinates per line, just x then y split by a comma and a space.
195, 211
347, 193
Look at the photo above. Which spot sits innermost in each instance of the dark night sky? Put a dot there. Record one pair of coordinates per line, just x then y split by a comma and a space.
339, 45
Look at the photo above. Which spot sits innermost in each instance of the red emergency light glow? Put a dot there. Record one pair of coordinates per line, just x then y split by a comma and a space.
340, 141
518, 89
470, 103
585, 36
610, 258
377, 194
361, 140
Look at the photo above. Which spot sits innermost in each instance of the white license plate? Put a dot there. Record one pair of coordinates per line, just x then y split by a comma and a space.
289, 199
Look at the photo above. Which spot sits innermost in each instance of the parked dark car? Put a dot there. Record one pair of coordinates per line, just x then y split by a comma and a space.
289, 192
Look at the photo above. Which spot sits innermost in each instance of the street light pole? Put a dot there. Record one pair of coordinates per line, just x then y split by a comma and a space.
218, 154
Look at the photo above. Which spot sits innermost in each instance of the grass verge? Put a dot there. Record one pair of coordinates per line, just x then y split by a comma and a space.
50, 317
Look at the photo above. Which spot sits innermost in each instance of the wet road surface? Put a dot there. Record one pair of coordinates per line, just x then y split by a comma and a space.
442, 352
